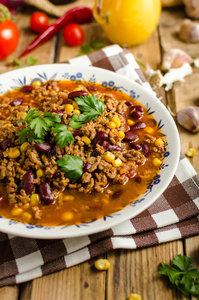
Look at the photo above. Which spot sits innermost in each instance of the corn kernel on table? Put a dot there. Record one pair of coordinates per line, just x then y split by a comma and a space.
131, 271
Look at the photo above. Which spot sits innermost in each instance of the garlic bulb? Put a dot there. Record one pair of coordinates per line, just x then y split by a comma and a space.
192, 8
188, 118
175, 58
189, 31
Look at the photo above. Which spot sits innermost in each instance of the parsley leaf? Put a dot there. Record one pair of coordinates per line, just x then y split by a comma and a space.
36, 125
86, 49
72, 166
91, 107
31, 61
64, 136
182, 275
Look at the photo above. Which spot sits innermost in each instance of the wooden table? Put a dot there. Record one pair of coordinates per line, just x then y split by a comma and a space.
131, 270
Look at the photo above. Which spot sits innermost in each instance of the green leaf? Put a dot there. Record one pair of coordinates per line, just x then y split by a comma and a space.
182, 262
75, 123
97, 44
86, 49
32, 113
72, 166
30, 61
39, 127
22, 133
64, 136
140, 63
17, 63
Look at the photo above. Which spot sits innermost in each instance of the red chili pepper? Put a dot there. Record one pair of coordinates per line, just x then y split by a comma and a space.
78, 15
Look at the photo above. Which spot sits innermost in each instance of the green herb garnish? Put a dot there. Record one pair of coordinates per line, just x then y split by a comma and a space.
86, 49
30, 61
72, 166
91, 107
64, 136
182, 275
36, 126
94, 45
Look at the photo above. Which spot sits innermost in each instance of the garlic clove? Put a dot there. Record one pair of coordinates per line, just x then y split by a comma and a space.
189, 31
175, 58
192, 8
188, 118
174, 75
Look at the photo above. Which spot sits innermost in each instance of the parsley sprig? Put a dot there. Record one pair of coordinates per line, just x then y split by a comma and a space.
72, 166
182, 275
90, 106
37, 125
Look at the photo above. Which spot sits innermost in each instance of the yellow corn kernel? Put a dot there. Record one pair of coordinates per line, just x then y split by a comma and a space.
156, 162
16, 211
86, 140
40, 173
130, 122
76, 111
117, 121
26, 206
111, 125
7, 125
68, 198
26, 216
109, 157
24, 146
36, 83
21, 115
69, 108
134, 297
75, 105
191, 152
71, 128
14, 154
148, 129
67, 216
34, 199
77, 89
121, 134
102, 264
159, 142
117, 163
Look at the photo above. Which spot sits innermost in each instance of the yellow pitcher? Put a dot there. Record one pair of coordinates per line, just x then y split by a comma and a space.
127, 22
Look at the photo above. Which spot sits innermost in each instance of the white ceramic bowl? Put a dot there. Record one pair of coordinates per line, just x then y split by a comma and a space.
20, 77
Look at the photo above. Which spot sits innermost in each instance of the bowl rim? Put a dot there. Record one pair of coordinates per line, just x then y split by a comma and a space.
68, 231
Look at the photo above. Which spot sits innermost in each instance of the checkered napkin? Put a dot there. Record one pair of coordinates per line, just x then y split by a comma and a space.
173, 216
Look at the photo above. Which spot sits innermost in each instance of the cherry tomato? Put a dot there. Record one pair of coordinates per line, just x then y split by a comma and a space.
39, 21
73, 34
9, 38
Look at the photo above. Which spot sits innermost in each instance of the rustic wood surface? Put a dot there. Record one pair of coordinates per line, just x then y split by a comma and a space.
131, 270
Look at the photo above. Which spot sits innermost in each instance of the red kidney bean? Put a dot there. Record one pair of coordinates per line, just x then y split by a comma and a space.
57, 175
131, 136
75, 94
1, 155
117, 194
114, 148
87, 167
46, 85
27, 88
138, 179
135, 114
3, 203
5, 144
28, 185
135, 146
123, 114
16, 101
139, 108
44, 147
45, 193
145, 149
138, 126
101, 136
129, 103
104, 144
77, 132
58, 112
91, 88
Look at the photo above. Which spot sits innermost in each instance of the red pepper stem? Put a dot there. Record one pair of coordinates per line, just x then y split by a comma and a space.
78, 15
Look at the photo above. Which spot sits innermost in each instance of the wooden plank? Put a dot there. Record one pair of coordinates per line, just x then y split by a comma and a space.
78, 282
9, 292
169, 26
136, 271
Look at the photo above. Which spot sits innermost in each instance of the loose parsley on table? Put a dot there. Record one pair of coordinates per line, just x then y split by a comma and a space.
182, 275
90, 106
72, 166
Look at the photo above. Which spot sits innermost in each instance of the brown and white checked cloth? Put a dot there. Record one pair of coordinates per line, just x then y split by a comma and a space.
173, 216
